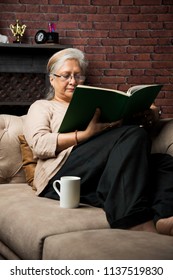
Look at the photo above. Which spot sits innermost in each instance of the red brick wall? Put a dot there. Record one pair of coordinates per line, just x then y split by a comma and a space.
127, 42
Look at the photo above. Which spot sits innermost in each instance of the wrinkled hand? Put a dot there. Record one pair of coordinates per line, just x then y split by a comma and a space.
95, 126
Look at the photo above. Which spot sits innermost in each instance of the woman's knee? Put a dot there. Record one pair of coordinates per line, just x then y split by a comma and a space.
138, 136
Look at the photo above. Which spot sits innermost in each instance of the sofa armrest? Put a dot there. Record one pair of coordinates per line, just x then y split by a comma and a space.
162, 137
10, 155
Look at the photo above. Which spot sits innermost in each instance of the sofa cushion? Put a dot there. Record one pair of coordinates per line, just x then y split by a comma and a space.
26, 220
108, 244
6, 253
10, 156
29, 163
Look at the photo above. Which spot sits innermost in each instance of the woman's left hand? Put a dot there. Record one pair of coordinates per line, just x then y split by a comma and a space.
147, 118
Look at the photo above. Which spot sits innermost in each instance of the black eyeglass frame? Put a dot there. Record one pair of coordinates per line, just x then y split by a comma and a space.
77, 77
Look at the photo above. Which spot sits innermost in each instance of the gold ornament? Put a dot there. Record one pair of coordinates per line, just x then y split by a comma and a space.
17, 30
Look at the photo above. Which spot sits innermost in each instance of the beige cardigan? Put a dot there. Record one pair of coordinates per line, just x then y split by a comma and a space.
41, 132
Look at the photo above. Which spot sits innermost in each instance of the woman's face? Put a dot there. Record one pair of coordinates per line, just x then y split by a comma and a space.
65, 79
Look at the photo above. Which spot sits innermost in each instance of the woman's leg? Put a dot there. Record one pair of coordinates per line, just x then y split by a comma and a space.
123, 186
114, 174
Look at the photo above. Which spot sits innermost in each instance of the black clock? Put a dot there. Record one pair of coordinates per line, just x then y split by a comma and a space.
41, 37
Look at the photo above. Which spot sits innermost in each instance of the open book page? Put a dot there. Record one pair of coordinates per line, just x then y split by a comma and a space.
133, 89
103, 89
141, 98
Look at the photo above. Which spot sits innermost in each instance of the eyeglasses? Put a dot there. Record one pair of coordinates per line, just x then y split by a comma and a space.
68, 77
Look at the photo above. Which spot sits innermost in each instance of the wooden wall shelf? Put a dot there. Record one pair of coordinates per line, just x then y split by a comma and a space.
25, 58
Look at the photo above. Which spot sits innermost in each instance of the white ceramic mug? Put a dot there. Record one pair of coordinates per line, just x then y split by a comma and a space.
69, 191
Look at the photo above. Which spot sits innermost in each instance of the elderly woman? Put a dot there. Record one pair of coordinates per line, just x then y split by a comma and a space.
114, 164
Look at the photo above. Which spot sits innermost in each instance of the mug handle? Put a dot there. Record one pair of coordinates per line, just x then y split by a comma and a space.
55, 187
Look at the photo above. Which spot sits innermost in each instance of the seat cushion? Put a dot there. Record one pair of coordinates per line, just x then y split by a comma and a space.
108, 244
26, 220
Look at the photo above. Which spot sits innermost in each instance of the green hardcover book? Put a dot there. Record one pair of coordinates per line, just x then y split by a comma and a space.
114, 104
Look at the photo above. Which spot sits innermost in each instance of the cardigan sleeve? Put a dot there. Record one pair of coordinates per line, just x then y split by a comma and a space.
41, 129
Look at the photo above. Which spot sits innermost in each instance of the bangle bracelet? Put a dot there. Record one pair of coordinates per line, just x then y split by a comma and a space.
76, 140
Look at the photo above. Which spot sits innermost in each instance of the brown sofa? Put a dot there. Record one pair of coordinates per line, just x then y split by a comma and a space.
37, 228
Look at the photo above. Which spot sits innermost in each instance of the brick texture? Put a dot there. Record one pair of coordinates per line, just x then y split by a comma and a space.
127, 42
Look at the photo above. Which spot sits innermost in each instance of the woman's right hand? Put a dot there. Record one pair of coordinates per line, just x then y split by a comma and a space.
95, 126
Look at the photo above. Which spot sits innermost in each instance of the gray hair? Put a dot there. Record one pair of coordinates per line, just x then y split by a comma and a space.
58, 59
